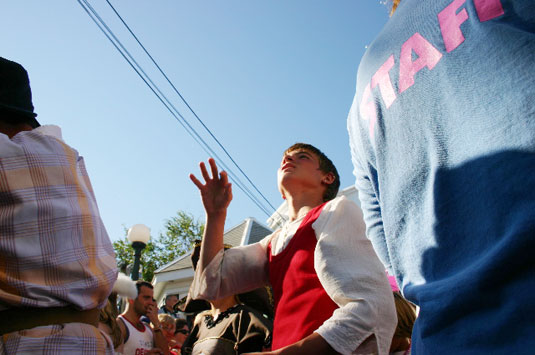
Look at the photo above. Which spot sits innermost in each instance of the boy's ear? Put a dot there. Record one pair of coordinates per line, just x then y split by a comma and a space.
328, 178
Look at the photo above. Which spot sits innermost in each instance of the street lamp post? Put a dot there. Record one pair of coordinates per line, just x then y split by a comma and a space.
139, 235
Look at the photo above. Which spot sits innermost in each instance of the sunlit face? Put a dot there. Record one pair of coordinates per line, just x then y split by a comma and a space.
144, 300
299, 167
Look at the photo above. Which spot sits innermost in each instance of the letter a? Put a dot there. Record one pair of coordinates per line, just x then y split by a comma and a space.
428, 56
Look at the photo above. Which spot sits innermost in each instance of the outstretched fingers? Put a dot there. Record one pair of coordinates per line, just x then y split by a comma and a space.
196, 181
204, 172
213, 167
220, 178
223, 176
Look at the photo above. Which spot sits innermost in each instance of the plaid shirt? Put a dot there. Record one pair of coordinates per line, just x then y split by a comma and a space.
54, 249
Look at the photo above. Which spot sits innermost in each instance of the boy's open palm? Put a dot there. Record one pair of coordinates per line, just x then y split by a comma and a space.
216, 192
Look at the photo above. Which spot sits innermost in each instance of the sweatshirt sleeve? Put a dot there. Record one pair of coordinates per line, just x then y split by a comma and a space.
368, 192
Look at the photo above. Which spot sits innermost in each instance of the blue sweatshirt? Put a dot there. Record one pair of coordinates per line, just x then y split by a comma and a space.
442, 134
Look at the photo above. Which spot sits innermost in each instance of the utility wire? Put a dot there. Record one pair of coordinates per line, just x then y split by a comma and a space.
163, 99
169, 105
189, 107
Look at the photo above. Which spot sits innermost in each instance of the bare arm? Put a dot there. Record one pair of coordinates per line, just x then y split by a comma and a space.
216, 194
311, 345
158, 338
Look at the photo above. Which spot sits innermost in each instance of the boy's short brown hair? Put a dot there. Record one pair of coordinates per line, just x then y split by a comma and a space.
326, 166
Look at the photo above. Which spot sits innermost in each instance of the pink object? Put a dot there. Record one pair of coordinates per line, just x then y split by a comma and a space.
450, 24
367, 109
428, 56
488, 9
382, 78
393, 283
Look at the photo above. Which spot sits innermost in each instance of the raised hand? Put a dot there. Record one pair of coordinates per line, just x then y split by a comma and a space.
216, 192
152, 314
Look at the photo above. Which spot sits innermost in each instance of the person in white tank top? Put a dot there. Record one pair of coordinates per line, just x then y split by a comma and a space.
139, 338
137, 341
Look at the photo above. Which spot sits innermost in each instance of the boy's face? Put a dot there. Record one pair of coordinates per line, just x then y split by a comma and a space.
301, 168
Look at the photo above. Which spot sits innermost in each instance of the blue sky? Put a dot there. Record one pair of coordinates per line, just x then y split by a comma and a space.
262, 75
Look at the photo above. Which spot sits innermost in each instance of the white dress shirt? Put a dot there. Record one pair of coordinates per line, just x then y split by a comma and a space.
347, 268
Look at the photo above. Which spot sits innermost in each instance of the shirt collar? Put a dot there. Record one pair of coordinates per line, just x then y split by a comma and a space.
49, 130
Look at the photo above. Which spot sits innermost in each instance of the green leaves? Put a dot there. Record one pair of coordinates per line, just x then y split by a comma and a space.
180, 233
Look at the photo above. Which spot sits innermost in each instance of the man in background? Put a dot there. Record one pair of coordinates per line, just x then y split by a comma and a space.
170, 308
140, 338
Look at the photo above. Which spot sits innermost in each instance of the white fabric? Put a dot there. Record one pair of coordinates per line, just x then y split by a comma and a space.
137, 342
347, 267
49, 130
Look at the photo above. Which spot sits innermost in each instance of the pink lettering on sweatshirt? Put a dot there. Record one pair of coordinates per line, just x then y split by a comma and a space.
488, 9
367, 109
428, 56
450, 24
450, 20
382, 78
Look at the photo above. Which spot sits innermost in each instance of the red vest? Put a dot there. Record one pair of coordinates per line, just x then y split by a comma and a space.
301, 303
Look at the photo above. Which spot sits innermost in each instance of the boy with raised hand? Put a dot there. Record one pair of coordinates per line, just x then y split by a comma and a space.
330, 290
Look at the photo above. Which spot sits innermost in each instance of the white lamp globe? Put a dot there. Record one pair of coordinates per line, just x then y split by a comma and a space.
139, 233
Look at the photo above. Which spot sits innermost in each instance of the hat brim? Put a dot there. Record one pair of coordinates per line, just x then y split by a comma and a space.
194, 306
17, 110
29, 116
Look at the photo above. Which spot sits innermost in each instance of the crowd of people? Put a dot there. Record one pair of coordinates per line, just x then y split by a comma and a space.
442, 136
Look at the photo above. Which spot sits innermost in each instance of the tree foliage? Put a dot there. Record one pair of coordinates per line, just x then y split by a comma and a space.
180, 233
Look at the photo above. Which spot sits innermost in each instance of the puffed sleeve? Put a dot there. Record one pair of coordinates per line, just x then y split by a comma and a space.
354, 278
233, 271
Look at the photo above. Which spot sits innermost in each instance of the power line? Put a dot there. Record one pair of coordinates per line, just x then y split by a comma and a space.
163, 99
188, 106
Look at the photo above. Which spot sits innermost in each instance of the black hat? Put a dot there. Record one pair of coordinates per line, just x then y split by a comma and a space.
260, 299
15, 93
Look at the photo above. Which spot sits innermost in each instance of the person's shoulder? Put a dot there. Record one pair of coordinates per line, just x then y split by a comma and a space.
49, 131
338, 210
39, 140
341, 203
200, 316
122, 326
